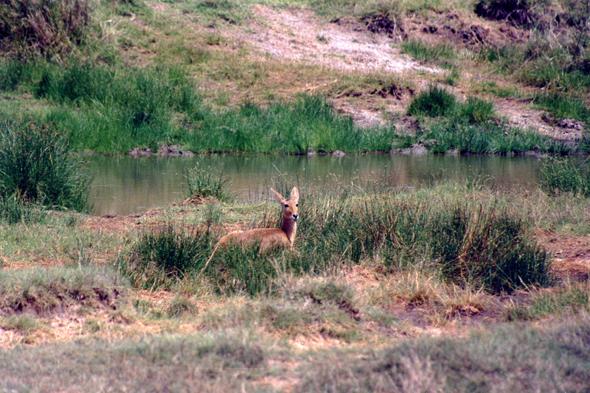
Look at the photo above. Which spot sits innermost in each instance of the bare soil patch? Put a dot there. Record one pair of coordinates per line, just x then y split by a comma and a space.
301, 36
571, 255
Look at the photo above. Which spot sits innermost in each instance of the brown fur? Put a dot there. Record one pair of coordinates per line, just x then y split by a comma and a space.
270, 237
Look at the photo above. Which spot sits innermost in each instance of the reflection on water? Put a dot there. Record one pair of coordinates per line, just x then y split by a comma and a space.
128, 185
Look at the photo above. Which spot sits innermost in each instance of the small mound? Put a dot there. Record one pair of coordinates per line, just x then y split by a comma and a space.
47, 291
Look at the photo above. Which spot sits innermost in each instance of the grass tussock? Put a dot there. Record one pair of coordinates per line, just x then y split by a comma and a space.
203, 183
47, 290
566, 175
162, 257
37, 167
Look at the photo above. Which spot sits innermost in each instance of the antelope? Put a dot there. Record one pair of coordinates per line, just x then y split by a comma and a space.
268, 237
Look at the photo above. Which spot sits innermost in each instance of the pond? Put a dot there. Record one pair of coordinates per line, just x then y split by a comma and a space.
126, 185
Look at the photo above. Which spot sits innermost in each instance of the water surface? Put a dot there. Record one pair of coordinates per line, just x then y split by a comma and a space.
127, 185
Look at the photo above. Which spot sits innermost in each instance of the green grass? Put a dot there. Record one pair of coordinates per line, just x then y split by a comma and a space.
566, 175
424, 52
569, 300
161, 258
13, 211
37, 167
435, 102
203, 183
564, 107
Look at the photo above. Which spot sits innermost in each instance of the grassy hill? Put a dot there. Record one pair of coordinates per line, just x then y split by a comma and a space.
225, 75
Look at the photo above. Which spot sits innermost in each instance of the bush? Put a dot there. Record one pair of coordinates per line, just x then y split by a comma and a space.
36, 167
434, 103
566, 175
43, 27
489, 249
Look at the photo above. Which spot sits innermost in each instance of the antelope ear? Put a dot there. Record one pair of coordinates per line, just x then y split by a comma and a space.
278, 197
294, 195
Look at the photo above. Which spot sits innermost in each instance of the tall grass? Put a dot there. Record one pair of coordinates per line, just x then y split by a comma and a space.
467, 243
31, 28
36, 166
160, 258
13, 210
310, 122
566, 175
117, 109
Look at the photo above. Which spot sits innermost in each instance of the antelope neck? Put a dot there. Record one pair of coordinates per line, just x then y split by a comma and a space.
290, 228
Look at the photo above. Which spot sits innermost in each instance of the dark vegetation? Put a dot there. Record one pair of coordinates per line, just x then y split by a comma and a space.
32, 28
470, 245
37, 167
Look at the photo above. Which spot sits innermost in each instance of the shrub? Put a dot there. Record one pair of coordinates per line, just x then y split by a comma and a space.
486, 248
566, 175
43, 27
434, 103
36, 166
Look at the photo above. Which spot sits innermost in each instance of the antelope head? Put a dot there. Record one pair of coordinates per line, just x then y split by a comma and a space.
290, 206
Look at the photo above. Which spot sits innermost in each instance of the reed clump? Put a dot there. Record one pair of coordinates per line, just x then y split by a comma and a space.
37, 167
203, 183
160, 258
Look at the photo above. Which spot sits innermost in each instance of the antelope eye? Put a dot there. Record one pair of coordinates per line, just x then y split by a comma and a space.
286, 205
297, 204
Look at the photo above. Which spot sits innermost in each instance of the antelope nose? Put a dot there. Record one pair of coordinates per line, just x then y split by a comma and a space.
295, 216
